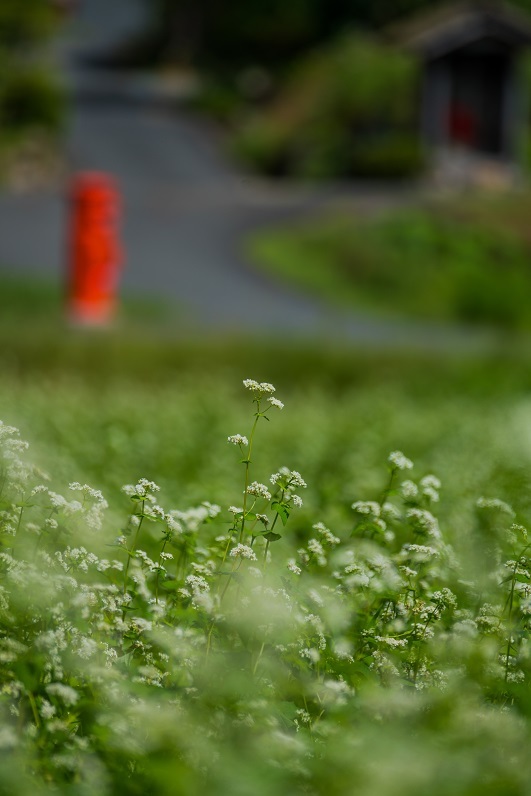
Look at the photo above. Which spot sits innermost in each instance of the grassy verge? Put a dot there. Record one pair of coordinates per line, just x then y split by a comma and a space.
462, 261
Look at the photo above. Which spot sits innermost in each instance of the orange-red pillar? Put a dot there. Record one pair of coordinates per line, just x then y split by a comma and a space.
95, 255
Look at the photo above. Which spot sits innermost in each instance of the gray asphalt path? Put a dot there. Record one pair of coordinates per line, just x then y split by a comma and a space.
187, 210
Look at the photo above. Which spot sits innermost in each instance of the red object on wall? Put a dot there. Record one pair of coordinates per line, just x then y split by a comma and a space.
95, 255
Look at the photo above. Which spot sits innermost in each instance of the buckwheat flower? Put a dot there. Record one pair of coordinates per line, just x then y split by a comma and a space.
212, 509
392, 643
243, 551
259, 490
445, 597
69, 696
263, 518
390, 511
235, 510
292, 566
173, 525
311, 653
409, 490
326, 534
430, 481
166, 556
296, 479
296, 500
367, 507
399, 461
494, 503
238, 439
254, 572
251, 384
47, 710
266, 387
277, 476
425, 521
420, 550
275, 403
57, 501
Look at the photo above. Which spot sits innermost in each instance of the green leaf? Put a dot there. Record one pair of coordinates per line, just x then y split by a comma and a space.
282, 511
171, 585
272, 537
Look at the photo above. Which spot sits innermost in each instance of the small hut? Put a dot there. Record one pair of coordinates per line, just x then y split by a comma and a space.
472, 99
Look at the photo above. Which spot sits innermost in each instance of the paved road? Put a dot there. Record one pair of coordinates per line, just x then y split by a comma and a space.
187, 209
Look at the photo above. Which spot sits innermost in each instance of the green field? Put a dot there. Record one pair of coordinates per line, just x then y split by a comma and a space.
342, 672
463, 260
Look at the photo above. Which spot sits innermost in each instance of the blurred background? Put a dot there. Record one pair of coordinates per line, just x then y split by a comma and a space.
325, 170
332, 196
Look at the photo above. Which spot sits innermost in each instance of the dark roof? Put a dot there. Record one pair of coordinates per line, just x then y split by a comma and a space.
450, 27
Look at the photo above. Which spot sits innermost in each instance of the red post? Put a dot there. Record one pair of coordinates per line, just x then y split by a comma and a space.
95, 253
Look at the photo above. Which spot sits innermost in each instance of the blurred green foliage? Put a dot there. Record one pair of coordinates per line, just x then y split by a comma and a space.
347, 109
268, 32
27, 23
30, 98
466, 261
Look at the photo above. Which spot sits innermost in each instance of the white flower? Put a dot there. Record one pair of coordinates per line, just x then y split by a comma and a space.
326, 534
400, 461
409, 490
369, 507
259, 490
276, 403
238, 439
243, 551
430, 481
64, 692
292, 566
258, 387
494, 503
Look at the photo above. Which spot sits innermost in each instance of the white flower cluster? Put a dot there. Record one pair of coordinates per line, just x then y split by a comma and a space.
399, 461
288, 479
243, 551
367, 507
258, 387
259, 490
495, 504
326, 535
238, 439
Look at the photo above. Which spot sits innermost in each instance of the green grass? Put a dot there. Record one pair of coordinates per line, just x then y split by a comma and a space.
464, 261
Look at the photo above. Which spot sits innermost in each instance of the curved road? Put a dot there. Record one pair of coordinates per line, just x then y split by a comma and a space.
187, 210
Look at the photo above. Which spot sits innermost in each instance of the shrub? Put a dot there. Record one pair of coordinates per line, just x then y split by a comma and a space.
26, 23
30, 99
349, 109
